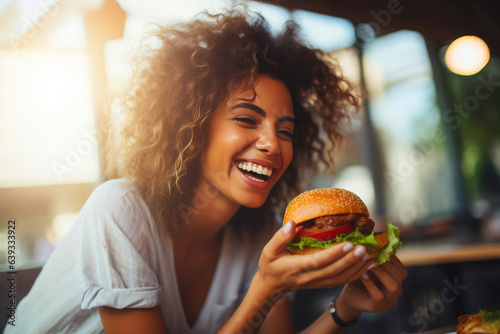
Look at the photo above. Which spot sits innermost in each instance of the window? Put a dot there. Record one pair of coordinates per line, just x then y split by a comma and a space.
48, 137
416, 166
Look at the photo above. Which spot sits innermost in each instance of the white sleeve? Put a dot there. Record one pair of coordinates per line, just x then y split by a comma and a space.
118, 263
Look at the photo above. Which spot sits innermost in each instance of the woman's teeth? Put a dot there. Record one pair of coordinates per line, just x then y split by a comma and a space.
258, 169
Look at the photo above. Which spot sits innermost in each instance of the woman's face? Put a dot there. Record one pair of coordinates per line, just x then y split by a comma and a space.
249, 143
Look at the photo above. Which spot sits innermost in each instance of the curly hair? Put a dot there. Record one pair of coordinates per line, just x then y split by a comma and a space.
177, 87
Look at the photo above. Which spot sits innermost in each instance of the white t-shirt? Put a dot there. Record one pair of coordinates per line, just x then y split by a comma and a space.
114, 256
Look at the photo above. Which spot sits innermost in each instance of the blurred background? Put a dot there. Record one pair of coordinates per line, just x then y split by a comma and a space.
425, 154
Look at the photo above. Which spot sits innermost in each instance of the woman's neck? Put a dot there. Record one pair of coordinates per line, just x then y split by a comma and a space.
204, 219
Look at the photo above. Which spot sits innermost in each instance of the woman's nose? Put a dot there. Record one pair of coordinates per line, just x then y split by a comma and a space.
268, 142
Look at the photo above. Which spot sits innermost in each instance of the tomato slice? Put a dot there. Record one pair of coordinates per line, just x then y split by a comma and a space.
326, 234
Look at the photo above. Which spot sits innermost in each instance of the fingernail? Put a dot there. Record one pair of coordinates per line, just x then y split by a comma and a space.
359, 251
371, 266
287, 228
365, 257
365, 276
348, 247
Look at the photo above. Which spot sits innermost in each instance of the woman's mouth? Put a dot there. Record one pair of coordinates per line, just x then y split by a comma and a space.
255, 171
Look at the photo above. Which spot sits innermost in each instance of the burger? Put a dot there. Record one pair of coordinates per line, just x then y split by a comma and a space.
483, 322
329, 216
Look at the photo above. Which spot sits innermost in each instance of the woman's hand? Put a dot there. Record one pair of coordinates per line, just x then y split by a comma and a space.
283, 272
376, 291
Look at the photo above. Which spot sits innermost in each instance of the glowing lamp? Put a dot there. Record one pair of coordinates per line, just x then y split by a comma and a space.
467, 55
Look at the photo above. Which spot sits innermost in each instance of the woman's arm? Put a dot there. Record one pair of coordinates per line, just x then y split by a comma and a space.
125, 321
280, 320
280, 272
325, 324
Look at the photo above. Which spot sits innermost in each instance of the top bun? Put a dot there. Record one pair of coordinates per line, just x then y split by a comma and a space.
323, 202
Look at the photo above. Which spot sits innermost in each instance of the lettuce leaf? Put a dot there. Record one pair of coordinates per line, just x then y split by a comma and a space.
357, 238
390, 249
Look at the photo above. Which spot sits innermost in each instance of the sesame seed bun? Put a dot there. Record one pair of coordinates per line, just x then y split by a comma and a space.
323, 202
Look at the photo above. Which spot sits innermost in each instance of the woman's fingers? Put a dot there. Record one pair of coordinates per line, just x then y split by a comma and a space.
337, 265
378, 289
384, 284
399, 266
340, 264
275, 247
293, 267
323, 258
376, 295
391, 274
325, 280
298, 263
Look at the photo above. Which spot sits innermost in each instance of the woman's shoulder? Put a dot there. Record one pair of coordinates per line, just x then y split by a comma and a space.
115, 192
119, 199
113, 188
116, 208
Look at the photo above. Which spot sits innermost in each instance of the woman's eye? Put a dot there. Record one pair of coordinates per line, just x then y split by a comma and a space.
246, 120
287, 133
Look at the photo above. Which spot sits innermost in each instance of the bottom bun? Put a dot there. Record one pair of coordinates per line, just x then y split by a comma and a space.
304, 251
381, 239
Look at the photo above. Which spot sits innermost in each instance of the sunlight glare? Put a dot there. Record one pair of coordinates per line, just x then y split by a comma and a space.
53, 87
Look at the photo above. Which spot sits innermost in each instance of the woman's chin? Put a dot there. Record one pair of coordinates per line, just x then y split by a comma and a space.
254, 203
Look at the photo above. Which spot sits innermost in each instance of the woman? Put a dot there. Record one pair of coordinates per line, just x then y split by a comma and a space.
223, 123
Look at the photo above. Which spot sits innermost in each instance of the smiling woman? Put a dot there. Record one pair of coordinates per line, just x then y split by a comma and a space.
256, 134
221, 125
177, 111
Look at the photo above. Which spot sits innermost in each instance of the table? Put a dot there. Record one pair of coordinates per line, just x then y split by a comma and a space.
447, 253
444, 330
